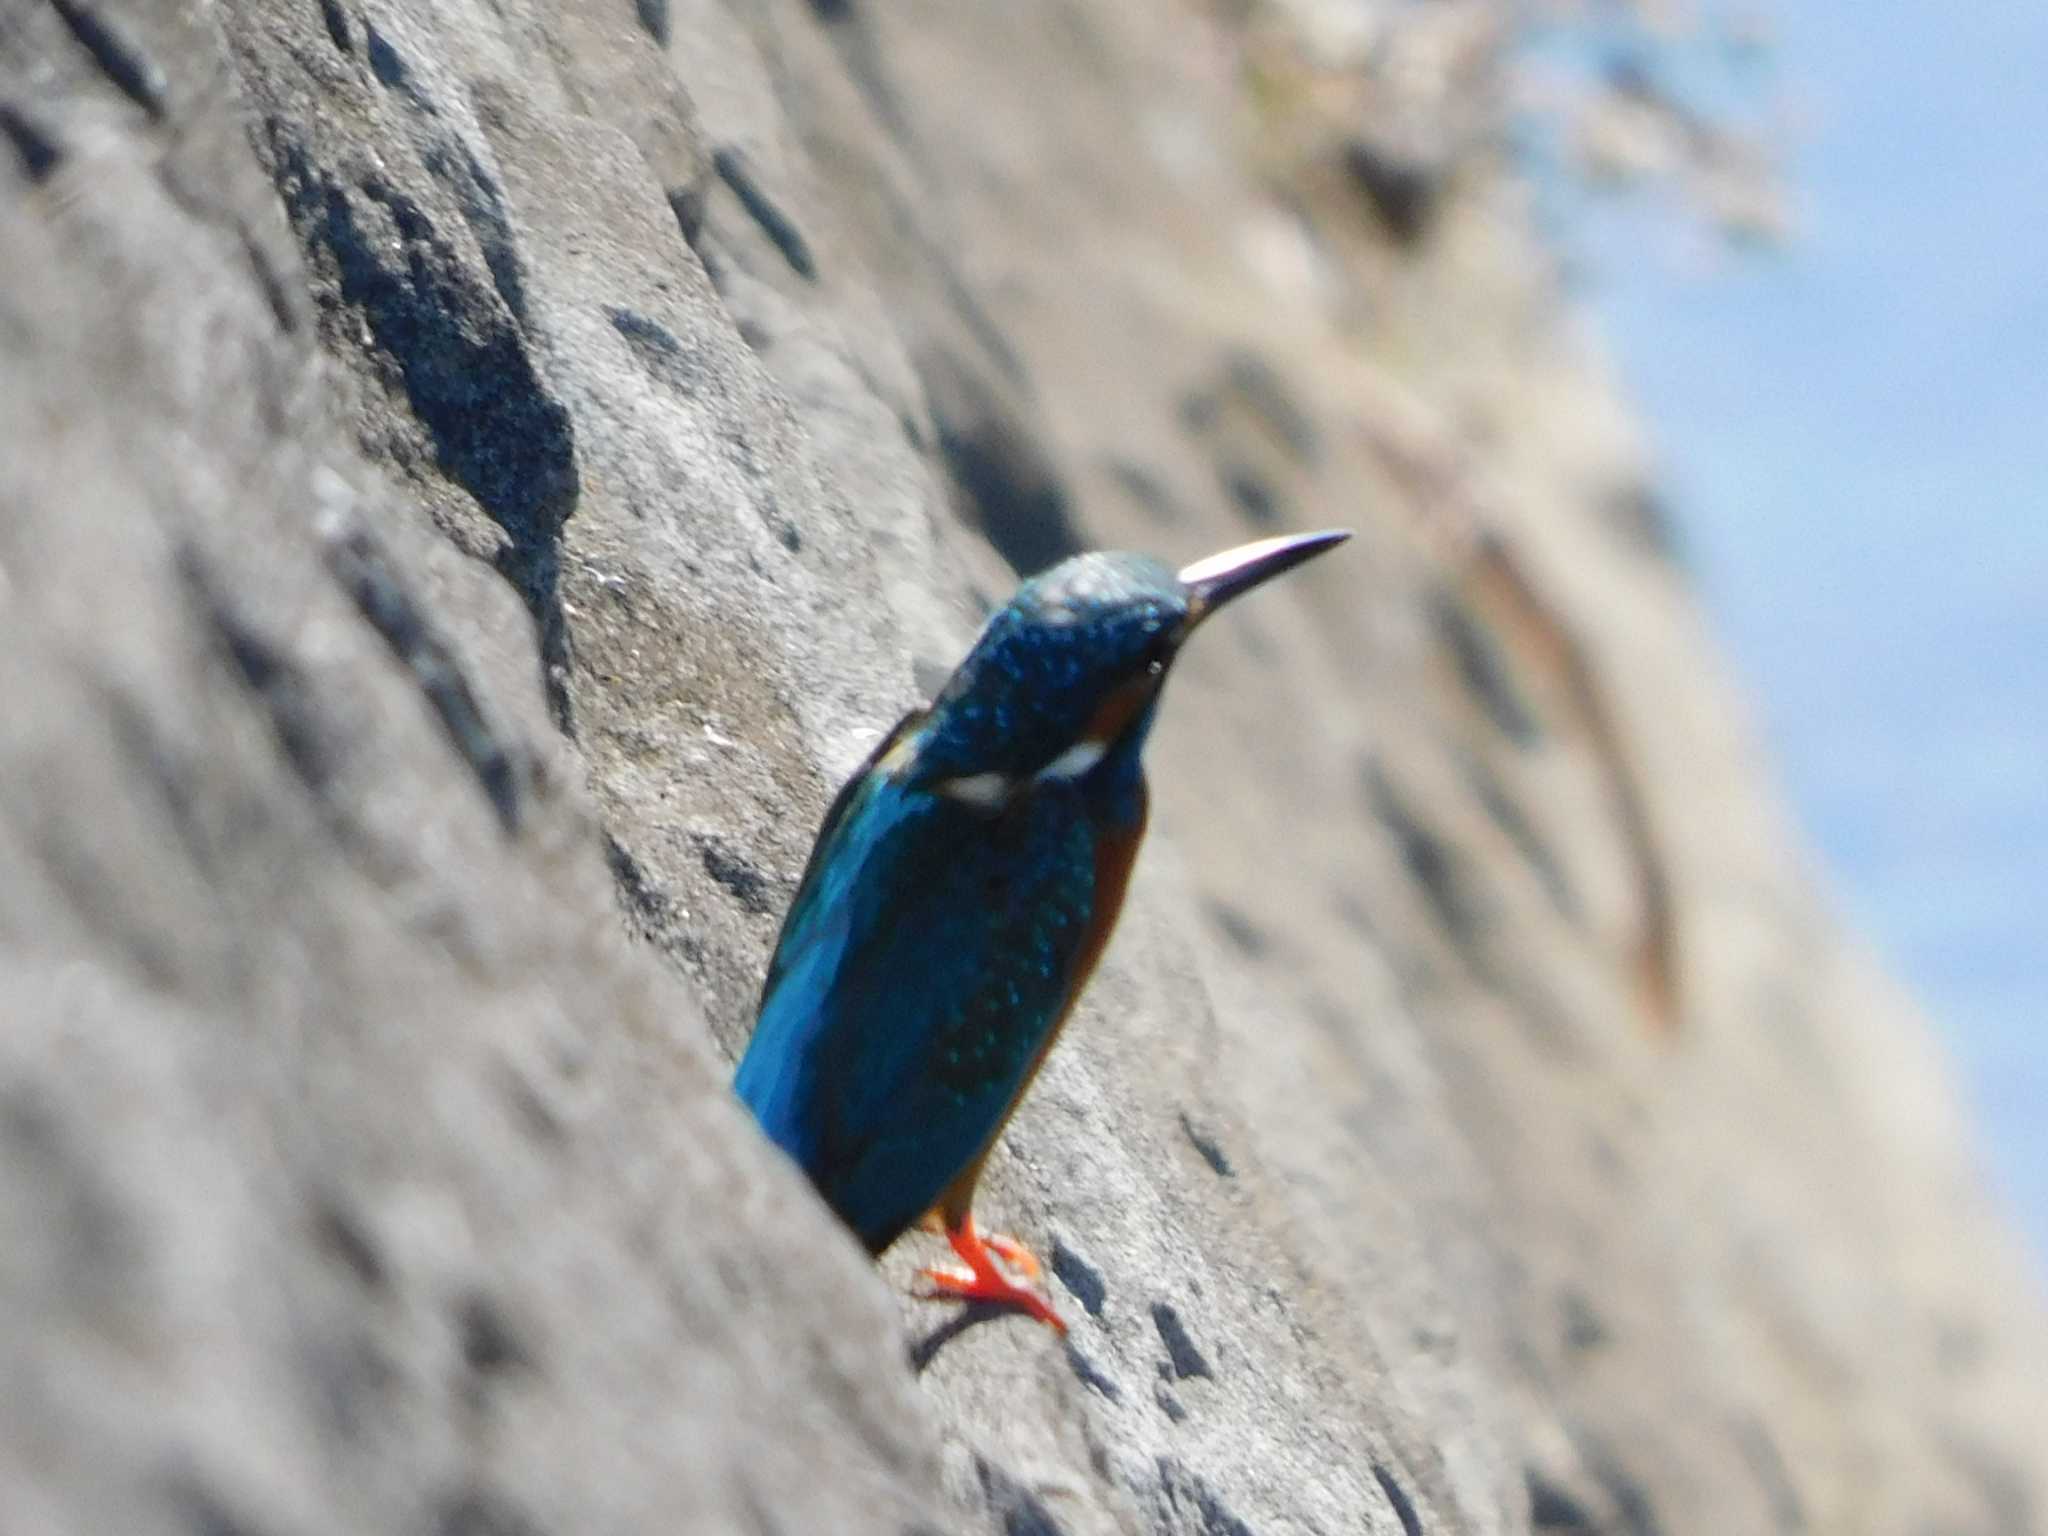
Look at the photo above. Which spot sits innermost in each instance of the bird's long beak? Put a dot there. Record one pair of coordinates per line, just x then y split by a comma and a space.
1214, 581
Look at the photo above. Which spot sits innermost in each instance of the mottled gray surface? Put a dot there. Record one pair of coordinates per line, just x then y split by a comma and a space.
478, 473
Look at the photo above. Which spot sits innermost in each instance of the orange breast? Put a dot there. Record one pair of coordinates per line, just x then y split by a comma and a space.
1115, 854
1118, 710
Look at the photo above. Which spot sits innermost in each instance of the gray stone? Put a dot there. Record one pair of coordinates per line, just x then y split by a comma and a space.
476, 475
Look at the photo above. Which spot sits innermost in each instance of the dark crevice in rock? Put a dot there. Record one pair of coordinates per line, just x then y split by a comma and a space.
1484, 669
687, 204
1211, 1152
1261, 502
349, 1377
277, 294
490, 1344
1025, 517
1011, 489
737, 173
737, 875
336, 20
1147, 490
339, 1232
205, 1510
174, 775
366, 575
1182, 1357
1521, 832
1188, 1506
1438, 868
1090, 1375
1583, 1329
1500, 586
1244, 934
462, 363
481, 1512
1169, 1404
1645, 518
1761, 1452
1257, 383
1551, 1508
1351, 912
117, 54
1404, 193
664, 357
1404, 1507
280, 686
1999, 1483
1021, 1511
483, 210
285, 696
85, 1229
385, 63
653, 18
83, 879
705, 243
867, 60
1080, 1277
38, 152
648, 906
981, 325
534, 1113
1633, 1512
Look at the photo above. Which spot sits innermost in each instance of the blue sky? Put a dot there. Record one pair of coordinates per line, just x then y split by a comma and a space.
1854, 434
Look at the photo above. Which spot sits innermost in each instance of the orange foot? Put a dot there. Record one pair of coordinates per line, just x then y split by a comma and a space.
982, 1280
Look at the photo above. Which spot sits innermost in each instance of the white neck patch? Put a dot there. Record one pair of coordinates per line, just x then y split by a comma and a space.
991, 791
984, 791
1075, 761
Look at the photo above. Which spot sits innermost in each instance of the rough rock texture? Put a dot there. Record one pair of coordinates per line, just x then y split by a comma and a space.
474, 474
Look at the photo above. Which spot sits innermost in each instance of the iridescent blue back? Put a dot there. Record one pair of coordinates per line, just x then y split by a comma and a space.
930, 953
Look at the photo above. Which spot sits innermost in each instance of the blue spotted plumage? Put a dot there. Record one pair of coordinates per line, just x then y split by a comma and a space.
960, 892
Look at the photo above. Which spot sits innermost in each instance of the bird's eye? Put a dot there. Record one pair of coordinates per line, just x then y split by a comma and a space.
1155, 666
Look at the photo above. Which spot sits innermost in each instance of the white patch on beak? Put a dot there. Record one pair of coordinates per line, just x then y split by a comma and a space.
983, 791
1075, 761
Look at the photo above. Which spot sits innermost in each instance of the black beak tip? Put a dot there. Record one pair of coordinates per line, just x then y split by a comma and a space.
1214, 581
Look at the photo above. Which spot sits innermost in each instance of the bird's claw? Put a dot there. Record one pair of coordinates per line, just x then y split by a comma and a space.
965, 1285
983, 1280
1012, 1252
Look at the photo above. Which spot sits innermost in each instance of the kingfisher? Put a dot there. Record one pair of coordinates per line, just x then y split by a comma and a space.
959, 894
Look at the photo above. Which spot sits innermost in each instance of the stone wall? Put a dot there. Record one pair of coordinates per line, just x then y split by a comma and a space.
475, 475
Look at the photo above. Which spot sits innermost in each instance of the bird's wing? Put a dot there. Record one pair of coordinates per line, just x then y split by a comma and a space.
777, 1075
940, 1022
912, 999
815, 895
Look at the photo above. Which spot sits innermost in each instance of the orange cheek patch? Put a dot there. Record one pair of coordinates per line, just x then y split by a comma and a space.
1119, 709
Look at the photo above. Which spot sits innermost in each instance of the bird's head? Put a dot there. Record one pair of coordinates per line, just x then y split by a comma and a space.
1068, 673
